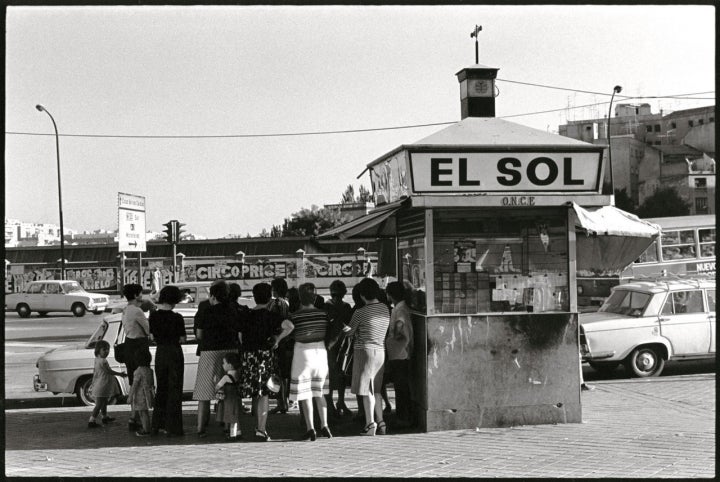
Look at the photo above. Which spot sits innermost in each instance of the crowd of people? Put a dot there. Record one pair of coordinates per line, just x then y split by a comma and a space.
292, 346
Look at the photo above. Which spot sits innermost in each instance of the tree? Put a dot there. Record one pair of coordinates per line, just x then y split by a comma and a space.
623, 201
664, 202
313, 221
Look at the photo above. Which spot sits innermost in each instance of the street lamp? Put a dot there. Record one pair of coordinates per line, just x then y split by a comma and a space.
40, 108
616, 90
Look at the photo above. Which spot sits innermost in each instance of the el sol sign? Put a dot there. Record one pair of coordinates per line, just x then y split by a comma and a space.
505, 172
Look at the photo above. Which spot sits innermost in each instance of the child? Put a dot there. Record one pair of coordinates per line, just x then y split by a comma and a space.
141, 391
229, 405
103, 385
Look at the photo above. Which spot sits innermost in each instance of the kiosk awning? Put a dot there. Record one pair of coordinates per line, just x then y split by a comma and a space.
609, 238
377, 223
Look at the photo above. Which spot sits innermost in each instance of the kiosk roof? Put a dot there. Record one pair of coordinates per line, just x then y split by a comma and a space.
491, 131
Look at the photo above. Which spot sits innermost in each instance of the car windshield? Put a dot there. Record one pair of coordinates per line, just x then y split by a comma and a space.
73, 287
626, 302
98, 335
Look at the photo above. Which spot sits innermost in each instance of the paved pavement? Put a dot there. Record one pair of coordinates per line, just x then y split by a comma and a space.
662, 427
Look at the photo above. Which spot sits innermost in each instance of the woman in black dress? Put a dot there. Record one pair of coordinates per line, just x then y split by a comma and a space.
168, 331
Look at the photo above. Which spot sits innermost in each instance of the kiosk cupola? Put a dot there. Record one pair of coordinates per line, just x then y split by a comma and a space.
477, 91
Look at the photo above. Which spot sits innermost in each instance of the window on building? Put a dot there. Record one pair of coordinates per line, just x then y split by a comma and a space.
712, 119
657, 143
701, 121
648, 128
691, 123
657, 127
700, 183
673, 125
701, 205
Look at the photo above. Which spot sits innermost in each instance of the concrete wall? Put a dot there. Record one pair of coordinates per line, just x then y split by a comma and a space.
497, 370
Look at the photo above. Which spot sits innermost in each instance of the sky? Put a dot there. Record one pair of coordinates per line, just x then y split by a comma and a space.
142, 71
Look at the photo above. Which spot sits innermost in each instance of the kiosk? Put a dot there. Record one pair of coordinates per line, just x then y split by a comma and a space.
485, 214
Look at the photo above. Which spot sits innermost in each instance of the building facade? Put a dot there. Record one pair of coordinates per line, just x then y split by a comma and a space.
652, 150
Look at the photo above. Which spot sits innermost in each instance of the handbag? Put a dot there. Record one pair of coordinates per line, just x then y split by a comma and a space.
345, 356
119, 349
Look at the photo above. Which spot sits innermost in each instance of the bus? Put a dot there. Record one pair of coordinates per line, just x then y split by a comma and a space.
685, 248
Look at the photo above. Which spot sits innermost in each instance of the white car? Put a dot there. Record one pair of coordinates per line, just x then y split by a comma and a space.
55, 295
69, 369
645, 323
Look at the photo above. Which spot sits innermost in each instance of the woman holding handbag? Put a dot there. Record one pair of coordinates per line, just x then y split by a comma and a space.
137, 331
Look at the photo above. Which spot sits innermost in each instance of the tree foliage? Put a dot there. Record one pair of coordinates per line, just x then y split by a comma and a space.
312, 222
315, 220
664, 202
623, 201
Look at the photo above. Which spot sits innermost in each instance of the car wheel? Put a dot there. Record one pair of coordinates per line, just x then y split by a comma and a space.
604, 368
84, 391
645, 361
23, 310
78, 309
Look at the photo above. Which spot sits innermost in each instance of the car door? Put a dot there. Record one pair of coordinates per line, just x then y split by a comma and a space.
34, 296
54, 299
189, 349
684, 322
711, 317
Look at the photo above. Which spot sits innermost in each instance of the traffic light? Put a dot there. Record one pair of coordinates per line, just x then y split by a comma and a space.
171, 231
178, 231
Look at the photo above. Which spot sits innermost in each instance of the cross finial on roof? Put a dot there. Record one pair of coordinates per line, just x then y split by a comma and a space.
474, 34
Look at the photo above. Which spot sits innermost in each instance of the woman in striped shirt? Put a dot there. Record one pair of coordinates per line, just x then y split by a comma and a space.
369, 326
309, 371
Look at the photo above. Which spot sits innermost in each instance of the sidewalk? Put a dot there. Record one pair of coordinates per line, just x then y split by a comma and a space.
632, 428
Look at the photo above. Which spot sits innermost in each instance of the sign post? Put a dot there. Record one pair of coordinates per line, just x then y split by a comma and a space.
131, 227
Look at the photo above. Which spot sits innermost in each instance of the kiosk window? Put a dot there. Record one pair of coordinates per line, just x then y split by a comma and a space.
511, 261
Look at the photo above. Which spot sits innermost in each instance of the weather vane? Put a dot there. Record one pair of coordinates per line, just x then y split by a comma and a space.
478, 28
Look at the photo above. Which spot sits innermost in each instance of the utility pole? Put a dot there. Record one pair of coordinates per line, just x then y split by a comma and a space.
474, 34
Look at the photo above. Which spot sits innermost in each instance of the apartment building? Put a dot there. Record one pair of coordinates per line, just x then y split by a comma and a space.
651, 150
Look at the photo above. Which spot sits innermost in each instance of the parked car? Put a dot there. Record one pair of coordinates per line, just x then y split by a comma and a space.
69, 369
55, 295
643, 324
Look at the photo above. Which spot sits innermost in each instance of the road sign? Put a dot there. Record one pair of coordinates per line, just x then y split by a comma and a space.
131, 223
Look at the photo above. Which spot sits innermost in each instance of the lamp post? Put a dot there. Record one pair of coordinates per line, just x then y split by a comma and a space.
616, 90
40, 108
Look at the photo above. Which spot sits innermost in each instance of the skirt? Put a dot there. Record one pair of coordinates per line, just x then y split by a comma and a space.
209, 367
229, 408
309, 373
367, 371
257, 368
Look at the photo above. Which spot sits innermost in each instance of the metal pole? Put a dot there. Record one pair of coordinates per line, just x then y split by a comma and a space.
174, 266
40, 108
140, 273
616, 90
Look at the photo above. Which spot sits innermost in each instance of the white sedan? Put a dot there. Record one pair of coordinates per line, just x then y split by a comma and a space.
55, 295
645, 323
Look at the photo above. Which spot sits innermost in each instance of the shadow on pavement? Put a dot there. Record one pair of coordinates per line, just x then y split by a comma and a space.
58, 430
672, 368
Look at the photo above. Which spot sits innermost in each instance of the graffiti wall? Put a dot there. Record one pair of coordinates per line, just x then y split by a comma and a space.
318, 269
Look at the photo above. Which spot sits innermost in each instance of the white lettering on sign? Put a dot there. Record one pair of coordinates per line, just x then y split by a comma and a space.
503, 172
708, 267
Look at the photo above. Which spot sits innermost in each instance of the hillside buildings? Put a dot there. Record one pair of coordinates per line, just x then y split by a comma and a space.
652, 150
